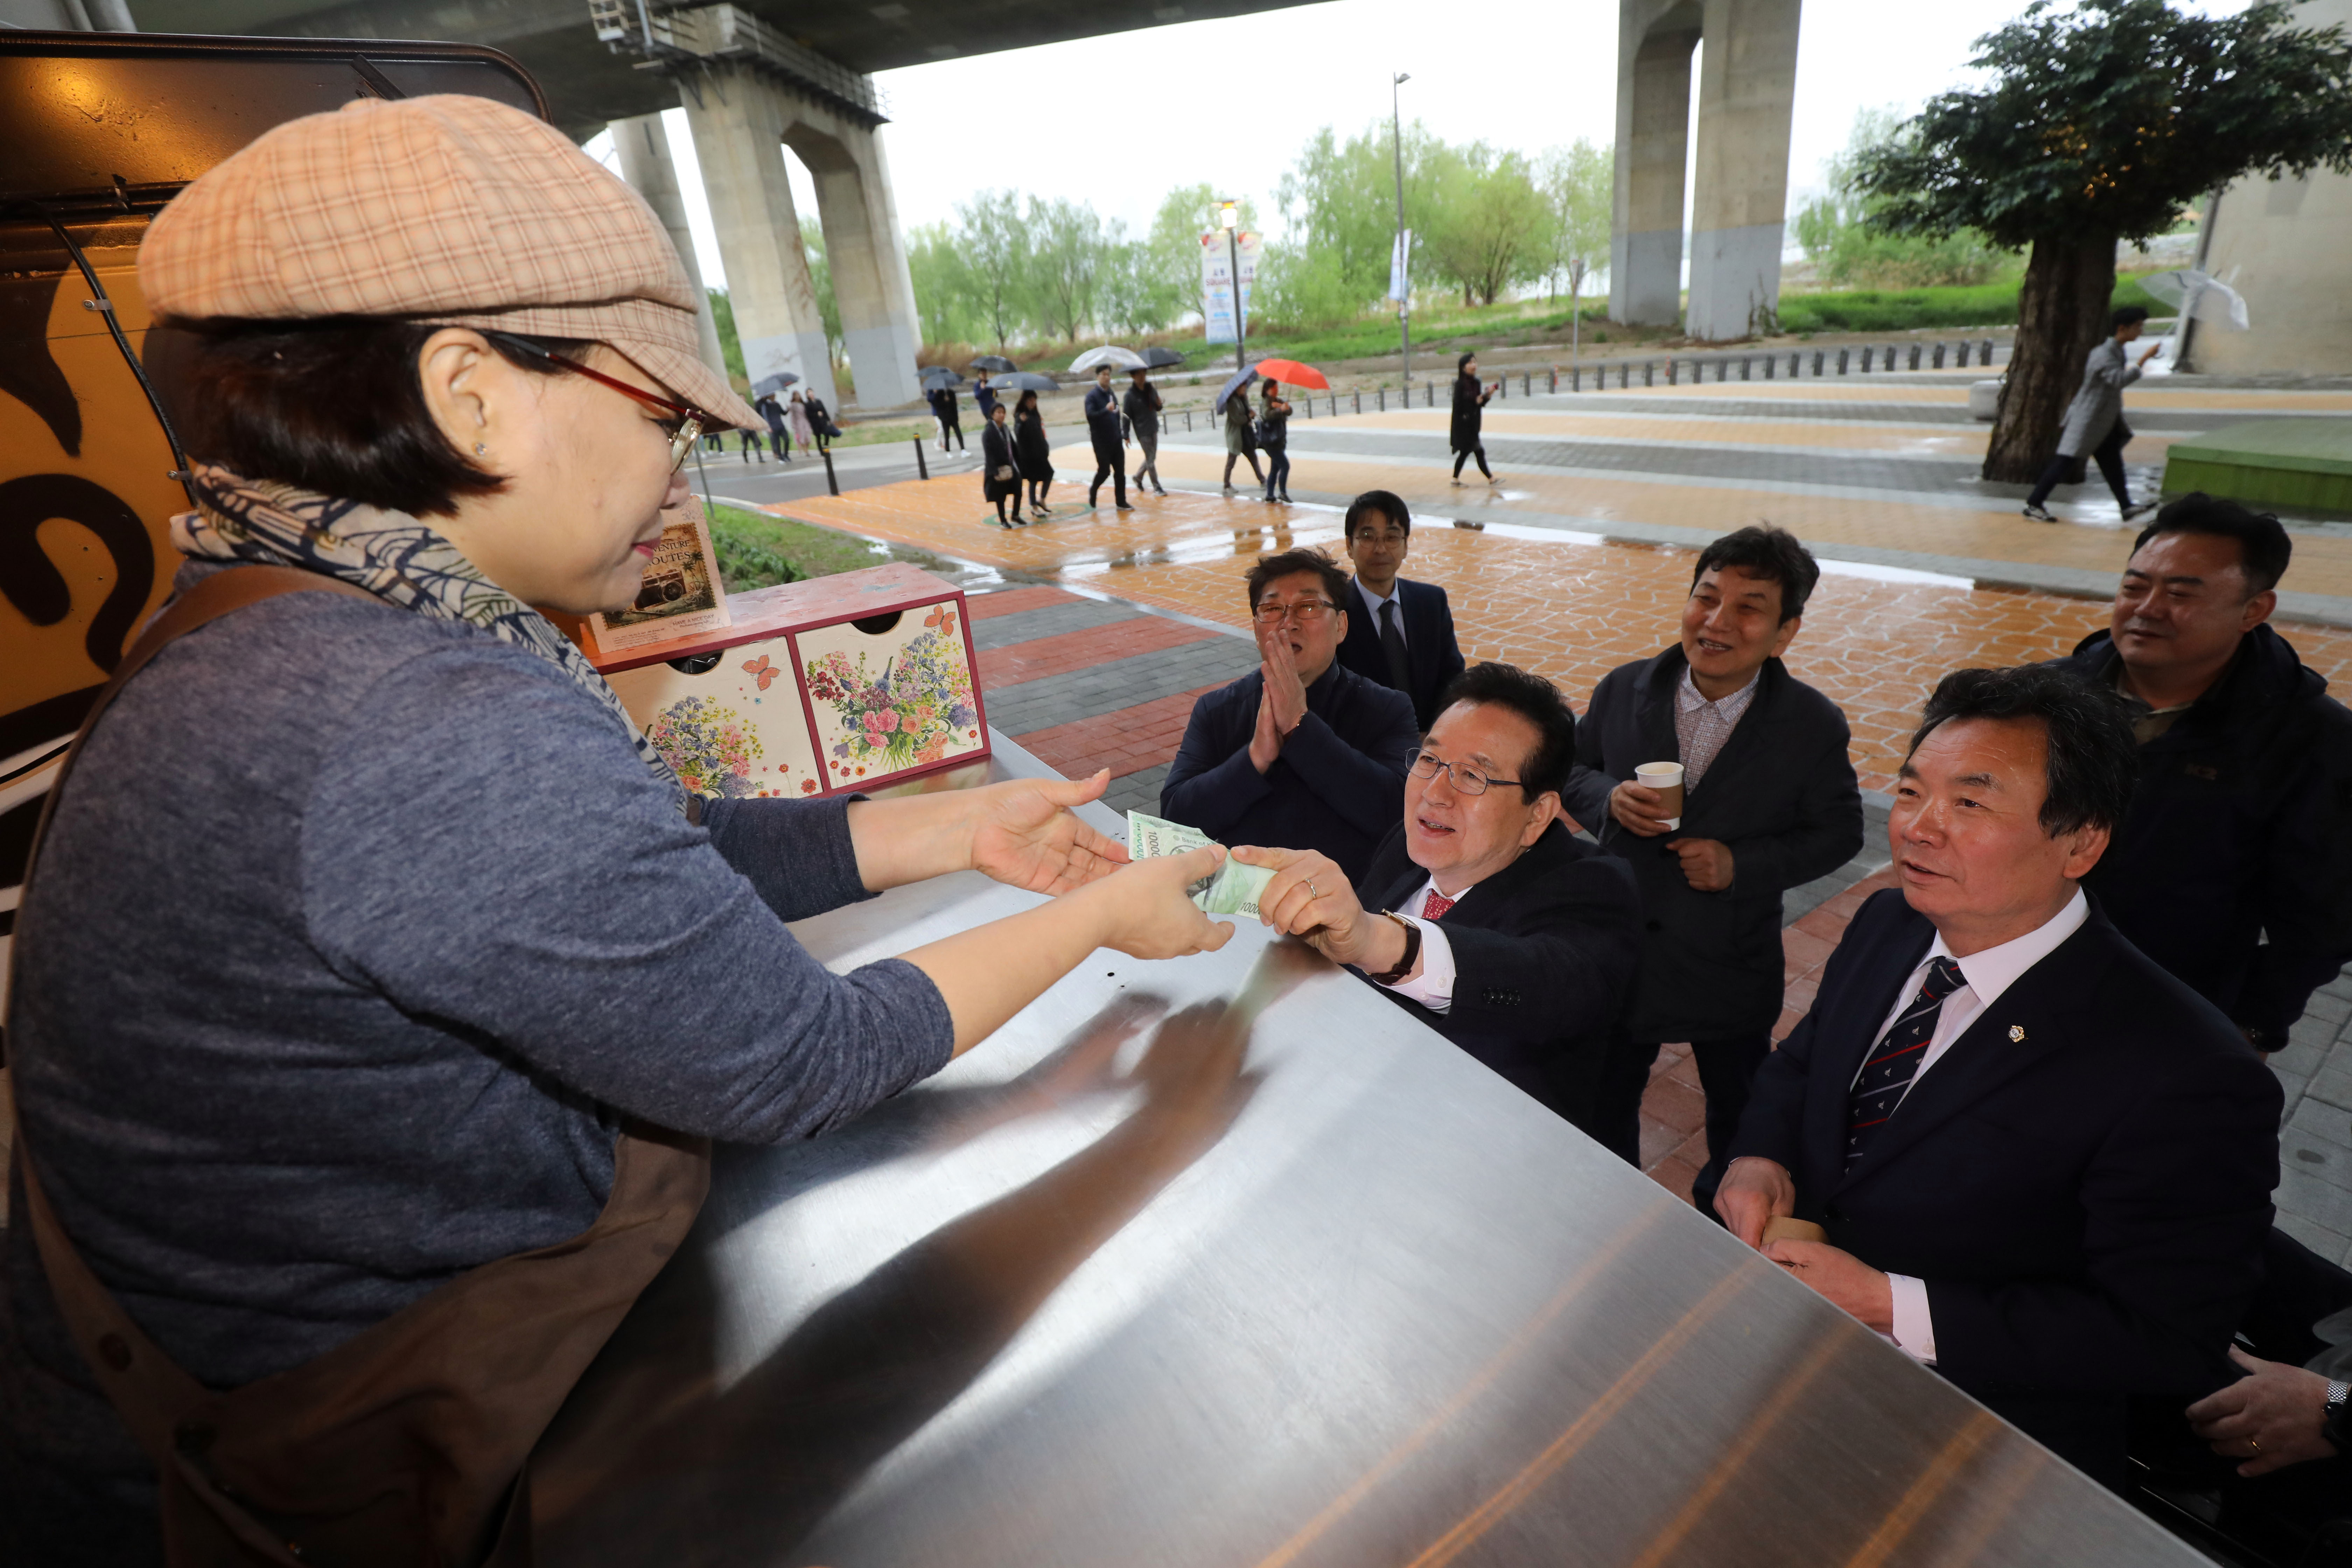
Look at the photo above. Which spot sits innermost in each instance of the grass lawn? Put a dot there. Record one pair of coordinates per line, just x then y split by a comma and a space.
1906, 310
756, 550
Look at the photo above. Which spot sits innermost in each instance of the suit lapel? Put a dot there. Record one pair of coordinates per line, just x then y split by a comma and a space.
1655, 717
1742, 740
2023, 1028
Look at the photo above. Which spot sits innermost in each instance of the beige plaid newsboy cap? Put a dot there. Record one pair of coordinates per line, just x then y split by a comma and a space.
447, 210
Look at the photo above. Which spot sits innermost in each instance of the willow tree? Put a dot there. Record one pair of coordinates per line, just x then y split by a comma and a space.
2100, 123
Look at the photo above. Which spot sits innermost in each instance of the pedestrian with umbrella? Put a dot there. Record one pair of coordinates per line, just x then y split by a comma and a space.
1001, 478
1110, 447
1141, 405
1274, 435
948, 409
1241, 440
1469, 414
2094, 420
766, 407
983, 396
1032, 453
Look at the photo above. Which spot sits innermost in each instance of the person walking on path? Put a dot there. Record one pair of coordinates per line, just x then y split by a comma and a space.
821, 421
1241, 440
983, 396
799, 415
948, 410
1110, 448
768, 409
1274, 435
2094, 420
751, 447
1002, 478
1033, 454
1469, 414
1141, 407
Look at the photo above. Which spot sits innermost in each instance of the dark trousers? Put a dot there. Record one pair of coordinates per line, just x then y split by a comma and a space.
782, 442
1479, 452
1277, 472
2109, 455
1727, 1069
1112, 466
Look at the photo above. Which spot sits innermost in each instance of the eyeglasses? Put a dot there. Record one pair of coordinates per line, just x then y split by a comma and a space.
1306, 612
691, 418
1465, 777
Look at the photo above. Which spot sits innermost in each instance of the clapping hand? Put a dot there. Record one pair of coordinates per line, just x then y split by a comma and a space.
1285, 691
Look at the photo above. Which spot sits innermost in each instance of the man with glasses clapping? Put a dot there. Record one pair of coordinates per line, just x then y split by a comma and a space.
1300, 754
1481, 914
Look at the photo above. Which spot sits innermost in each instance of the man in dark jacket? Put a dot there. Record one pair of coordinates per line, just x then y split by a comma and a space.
2043, 1165
1141, 408
1400, 633
2240, 827
1770, 802
1481, 914
1299, 753
1110, 447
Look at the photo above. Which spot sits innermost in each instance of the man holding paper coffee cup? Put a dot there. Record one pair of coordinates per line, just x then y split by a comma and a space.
1722, 779
1481, 914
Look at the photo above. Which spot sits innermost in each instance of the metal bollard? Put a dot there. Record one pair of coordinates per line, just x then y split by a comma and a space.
1818, 357
1769, 360
1429, 399
1914, 356
1865, 360
1670, 370
1526, 383
1360, 401
922, 468
1796, 365
1723, 369
1576, 378
1649, 372
1963, 348
1841, 353
832, 481
1937, 362
1747, 368
1984, 352
1382, 393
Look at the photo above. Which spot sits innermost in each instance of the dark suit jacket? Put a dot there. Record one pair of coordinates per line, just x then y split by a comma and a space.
1433, 658
1338, 785
2083, 1180
1781, 794
1543, 958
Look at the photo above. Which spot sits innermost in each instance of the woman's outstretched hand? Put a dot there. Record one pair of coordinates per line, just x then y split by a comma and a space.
1025, 834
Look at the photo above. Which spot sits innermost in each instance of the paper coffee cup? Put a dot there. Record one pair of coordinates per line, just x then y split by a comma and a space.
1666, 778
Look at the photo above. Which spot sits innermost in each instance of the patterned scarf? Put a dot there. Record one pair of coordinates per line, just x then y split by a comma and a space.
392, 555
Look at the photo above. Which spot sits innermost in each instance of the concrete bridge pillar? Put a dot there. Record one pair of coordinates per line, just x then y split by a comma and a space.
738, 119
642, 145
864, 249
1747, 89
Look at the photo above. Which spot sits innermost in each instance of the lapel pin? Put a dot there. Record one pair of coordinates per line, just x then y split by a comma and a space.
2016, 1033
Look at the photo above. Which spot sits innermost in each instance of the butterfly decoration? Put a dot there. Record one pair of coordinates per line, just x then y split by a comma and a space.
764, 668
942, 620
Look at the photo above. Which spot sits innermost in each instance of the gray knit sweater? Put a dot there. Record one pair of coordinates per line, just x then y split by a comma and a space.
355, 936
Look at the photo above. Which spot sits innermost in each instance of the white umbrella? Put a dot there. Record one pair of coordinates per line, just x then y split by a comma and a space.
1110, 354
2199, 295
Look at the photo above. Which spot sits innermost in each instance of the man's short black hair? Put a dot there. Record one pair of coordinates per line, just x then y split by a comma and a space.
1771, 554
2093, 758
1388, 503
2264, 547
1290, 562
2126, 315
335, 405
1538, 701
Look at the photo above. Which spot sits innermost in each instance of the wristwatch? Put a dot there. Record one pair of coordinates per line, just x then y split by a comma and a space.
2336, 1416
1411, 952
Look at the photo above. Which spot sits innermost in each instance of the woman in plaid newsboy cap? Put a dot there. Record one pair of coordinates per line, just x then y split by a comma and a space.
377, 987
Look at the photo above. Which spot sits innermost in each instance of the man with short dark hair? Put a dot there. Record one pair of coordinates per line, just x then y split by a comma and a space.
2234, 868
1400, 633
1299, 753
1481, 914
1141, 408
1770, 802
2043, 1165
2094, 420
1110, 440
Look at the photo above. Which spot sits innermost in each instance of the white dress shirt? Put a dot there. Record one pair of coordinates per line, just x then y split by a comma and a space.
1372, 608
1433, 986
1987, 974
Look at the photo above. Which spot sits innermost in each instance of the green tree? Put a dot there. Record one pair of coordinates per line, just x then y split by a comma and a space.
730, 342
1134, 290
1577, 184
996, 247
828, 308
1174, 247
1486, 233
2099, 124
1065, 263
1848, 249
1340, 216
943, 285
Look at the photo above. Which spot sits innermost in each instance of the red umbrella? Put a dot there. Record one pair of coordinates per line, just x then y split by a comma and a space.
1290, 372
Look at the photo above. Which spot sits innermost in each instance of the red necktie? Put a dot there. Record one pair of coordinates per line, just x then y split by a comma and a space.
1437, 906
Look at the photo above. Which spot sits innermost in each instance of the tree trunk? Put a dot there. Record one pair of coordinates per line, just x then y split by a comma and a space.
2062, 315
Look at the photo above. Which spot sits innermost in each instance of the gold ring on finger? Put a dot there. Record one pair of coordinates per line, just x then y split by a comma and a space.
1311, 893
2255, 1444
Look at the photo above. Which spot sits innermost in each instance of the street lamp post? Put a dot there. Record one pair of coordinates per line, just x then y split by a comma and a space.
1229, 218
1404, 300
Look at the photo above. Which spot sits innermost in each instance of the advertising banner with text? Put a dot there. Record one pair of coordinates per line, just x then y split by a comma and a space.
1217, 281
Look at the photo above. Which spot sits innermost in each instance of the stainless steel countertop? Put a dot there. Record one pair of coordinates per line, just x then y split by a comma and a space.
1284, 1280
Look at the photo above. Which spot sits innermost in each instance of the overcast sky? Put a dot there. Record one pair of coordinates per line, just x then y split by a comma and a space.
1080, 120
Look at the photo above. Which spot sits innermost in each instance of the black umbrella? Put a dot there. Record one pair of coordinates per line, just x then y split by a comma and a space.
991, 363
940, 375
1159, 359
777, 383
1024, 380
1240, 379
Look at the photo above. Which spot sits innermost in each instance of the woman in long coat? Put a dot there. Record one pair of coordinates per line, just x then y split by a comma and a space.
1033, 454
1469, 414
378, 985
999, 469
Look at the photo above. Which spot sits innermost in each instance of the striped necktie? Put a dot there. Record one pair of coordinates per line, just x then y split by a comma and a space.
1895, 1061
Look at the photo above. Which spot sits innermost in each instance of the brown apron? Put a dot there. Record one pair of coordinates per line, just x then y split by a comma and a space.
406, 1444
